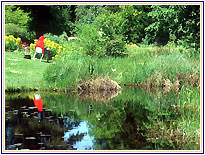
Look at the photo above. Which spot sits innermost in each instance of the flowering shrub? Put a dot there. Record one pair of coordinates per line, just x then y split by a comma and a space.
25, 46
55, 48
12, 43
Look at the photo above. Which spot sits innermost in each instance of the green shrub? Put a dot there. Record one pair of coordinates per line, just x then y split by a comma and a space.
17, 23
12, 43
103, 37
72, 48
21, 32
15, 15
91, 42
61, 39
86, 14
178, 23
136, 19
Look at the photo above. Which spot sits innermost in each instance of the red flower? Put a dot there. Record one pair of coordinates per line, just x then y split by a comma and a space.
24, 44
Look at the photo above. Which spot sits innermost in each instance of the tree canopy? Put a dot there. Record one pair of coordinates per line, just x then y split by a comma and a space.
142, 23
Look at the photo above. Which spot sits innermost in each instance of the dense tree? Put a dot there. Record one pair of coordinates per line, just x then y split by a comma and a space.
85, 14
178, 23
137, 19
51, 18
61, 19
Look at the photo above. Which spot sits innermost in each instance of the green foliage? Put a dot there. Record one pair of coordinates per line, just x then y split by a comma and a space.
61, 18
90, 40
86, 14
137, 19
110, 24
15, 30
16, 16
17, 23
178, 23
60, 39
66, 72
133, 23
140, 66
103, 37
12, 43
72, 48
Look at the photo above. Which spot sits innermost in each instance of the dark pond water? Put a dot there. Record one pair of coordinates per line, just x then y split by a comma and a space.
125, 121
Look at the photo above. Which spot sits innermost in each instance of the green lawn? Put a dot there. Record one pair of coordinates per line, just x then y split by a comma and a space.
21, 73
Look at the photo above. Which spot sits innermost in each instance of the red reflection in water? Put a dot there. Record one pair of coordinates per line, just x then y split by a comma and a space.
38, 102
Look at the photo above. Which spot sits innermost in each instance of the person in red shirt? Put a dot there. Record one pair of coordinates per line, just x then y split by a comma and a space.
39, 48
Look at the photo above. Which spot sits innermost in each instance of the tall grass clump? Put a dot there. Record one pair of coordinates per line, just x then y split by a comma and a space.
67, 72
122, 70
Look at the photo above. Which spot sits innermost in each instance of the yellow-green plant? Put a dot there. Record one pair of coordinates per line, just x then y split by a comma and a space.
12, 43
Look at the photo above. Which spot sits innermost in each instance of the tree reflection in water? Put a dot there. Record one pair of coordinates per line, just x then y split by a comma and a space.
37, 128
70, 122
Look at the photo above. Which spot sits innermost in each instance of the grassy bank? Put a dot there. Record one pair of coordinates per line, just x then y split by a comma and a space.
140, 65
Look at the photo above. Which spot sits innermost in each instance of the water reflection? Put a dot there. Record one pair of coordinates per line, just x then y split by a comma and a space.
104, 96
38, 102
85, 142
67, 122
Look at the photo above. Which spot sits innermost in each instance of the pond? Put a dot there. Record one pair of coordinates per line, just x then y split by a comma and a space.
129, 120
